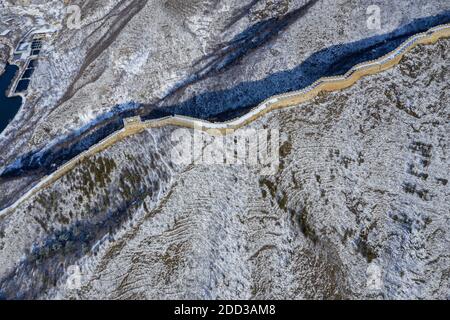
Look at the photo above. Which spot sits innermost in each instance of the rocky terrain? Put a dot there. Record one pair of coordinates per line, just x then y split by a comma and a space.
361, 189
201, 58
363, 182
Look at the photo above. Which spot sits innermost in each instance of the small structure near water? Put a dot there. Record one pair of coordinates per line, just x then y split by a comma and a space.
26, 55
16, 78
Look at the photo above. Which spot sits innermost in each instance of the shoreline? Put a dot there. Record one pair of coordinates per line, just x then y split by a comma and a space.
9, 97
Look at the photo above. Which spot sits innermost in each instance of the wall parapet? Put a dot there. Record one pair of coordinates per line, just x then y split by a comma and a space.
134, 125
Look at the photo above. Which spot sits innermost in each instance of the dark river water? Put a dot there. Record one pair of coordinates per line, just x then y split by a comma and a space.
8, 106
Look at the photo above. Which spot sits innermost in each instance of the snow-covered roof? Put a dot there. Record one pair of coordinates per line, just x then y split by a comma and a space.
23, 47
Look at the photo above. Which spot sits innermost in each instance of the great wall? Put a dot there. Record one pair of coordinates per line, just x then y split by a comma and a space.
134, 125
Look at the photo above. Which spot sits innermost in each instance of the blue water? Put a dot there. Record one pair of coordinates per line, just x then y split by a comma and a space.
8, 106
28, 73
22, 86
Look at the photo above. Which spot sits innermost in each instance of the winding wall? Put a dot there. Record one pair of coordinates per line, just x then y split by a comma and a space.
135, 125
